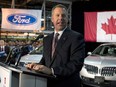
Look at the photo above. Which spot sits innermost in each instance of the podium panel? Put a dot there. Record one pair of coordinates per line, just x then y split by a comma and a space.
21, 77
5, 77
26, 81
41, 82
32, 81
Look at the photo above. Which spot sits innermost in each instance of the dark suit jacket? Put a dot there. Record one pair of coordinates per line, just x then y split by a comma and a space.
68, 58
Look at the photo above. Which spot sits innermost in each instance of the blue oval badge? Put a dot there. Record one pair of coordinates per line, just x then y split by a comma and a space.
22, 19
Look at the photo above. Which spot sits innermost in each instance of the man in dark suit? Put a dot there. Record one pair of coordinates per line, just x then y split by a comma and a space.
67, 60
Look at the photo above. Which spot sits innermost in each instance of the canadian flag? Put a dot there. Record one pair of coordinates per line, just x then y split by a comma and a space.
100, 26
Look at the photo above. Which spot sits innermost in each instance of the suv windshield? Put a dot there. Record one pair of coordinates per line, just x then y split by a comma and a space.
105, 50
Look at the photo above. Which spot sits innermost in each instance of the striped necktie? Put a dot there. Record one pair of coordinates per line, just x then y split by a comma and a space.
54, 44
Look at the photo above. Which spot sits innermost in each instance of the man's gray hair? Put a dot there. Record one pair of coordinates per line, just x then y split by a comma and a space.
59, 6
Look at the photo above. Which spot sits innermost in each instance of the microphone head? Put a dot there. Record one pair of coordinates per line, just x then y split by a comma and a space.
41, 36
38, 37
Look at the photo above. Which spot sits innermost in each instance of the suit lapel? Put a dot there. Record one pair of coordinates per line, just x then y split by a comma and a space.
59, 45
61, 41
49, 46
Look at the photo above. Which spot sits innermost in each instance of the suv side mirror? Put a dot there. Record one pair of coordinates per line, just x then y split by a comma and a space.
89, 53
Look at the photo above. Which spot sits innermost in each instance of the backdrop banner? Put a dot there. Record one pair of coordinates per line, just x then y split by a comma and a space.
21, 19
100, 26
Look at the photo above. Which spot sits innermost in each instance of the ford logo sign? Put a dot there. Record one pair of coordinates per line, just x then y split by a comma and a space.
21, 19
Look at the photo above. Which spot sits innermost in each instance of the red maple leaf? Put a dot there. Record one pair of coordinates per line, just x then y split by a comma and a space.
110, 28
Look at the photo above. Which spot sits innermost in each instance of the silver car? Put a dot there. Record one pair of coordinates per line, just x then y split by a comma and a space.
34, 56
99, 67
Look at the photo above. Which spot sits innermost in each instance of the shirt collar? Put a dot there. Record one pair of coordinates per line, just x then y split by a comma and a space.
60, 32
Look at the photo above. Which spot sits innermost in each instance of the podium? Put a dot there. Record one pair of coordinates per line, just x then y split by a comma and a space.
21, 77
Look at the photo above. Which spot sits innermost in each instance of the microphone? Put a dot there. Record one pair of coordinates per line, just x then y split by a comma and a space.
8, 59
38, 37
16, 58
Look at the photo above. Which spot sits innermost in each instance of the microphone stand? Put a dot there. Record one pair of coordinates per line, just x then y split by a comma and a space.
8, 59
18, 58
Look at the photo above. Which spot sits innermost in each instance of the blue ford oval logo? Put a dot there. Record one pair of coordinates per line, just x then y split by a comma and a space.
22, 19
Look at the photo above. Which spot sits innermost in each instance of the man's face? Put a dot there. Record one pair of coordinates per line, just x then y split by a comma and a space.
59, 18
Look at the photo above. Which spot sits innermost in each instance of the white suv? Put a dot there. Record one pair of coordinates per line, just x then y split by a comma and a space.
99, 67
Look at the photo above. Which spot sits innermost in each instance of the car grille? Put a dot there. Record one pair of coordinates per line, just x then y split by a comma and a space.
105, 71
108, 71
91, 69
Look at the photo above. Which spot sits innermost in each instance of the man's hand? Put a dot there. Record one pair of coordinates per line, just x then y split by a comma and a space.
39, 68
43, 69
30, 65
